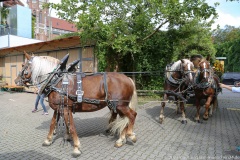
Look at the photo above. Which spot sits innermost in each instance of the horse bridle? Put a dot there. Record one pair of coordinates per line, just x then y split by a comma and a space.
185, 72
24, 72
204, 71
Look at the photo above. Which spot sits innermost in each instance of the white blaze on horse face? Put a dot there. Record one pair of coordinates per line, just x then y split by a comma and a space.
205, 73
189, 69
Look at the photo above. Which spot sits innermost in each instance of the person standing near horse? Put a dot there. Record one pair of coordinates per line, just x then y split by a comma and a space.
41, 99
233, 89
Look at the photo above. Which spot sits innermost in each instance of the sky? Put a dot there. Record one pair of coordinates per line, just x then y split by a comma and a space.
229, 12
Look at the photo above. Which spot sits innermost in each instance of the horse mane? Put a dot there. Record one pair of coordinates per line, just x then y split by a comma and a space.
41, 66
176, 65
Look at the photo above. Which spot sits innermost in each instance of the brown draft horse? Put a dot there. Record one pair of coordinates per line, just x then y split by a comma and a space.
178, 79
115, 88
206, 88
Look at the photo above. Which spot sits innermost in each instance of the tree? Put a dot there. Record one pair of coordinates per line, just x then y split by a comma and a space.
227, 42
123, 27
194, 38
136, 35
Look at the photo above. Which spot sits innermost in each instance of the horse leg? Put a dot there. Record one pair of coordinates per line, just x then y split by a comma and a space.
48, 141
178, 104
207, 105
161, 117
197, 117
215, 103
69, 120
67, 135
212, 106
210, 110
124, 125
112, 119
184, 120
55, 129
131, 135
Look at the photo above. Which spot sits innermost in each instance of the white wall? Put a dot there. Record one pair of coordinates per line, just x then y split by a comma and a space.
16, 41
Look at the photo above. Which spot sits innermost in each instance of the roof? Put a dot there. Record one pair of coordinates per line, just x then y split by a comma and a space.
62, 24
10, 3
64, 43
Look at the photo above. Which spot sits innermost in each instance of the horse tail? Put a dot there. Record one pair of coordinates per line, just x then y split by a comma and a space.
134, 100
121, 123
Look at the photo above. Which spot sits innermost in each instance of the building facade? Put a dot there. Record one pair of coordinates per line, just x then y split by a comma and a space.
47, 27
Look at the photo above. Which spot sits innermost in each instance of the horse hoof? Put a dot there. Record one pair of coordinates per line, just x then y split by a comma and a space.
210, 115
76, 152
184, 121
47, 143
118, 145
54, 132
161, 120
133, 138
205, 119
198, 121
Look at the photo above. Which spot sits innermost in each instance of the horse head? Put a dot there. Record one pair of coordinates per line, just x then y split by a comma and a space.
187, 70
204, 71
24, 76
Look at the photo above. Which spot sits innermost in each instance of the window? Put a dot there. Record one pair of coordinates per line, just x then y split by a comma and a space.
40, 17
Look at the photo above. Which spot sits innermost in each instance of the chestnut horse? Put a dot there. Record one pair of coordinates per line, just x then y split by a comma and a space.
178, 79
206, 87
112, 89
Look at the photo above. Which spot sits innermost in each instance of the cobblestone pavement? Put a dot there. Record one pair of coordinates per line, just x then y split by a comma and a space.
23, 132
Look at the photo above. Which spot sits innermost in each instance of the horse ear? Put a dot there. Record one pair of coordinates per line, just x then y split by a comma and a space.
182, 60
33, 54
208, 58
27, 55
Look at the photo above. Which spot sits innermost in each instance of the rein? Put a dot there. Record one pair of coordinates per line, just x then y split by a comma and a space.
203, 84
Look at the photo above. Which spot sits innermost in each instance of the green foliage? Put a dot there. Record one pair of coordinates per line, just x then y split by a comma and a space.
129, 35
67, 35
194, 38
33, 26
4, 13
227, 42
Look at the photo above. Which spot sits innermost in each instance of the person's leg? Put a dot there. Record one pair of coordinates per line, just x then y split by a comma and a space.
36, 104
42, 103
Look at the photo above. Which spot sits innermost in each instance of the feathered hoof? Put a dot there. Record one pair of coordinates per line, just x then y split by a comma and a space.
184, 121
54, 132
108, 131
205, 118
76, 152
133, 138
161, 120
198, 121
47, 143
118, 145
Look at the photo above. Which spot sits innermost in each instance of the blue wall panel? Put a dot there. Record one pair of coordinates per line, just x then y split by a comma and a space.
21, 21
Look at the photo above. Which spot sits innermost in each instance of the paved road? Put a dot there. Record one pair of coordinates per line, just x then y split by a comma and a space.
22, 133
